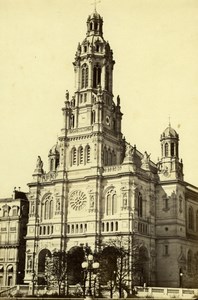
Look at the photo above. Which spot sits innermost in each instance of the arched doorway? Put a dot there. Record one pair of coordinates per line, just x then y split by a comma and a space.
43, 254
141, 267
75, 258
108, 264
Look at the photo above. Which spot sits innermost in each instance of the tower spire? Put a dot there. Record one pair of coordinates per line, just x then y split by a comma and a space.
169, 121
95, 4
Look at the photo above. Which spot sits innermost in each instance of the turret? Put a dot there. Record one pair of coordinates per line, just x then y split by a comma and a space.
169, 166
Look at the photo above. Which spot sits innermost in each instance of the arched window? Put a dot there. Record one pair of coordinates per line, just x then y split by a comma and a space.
114, 204
112, 227
51, 209
140, 205
189, 261
52, 164
72, 121
107, 79
166, 150
73, 158
84, 76
105, 156
190, 218
93, 117
172, 149
81, 155
108, 204
96, 76
88, 154
116, 226
109, 158
111, 203
46, 210
107, 226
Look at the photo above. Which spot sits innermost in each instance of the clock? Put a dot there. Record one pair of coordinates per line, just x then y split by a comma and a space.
107, 120
78, 200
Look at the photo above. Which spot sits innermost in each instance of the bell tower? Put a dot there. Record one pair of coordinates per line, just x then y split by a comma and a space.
92, 113
170, 166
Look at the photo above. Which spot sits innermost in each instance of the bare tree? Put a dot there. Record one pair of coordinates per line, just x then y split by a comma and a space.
56, 270
120, 264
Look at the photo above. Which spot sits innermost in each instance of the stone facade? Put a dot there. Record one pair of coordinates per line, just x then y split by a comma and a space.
98, 186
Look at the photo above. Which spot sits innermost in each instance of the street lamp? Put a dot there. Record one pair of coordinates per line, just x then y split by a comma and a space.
180, 278
89, 265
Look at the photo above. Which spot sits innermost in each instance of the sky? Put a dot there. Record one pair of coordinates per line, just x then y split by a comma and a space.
155, 46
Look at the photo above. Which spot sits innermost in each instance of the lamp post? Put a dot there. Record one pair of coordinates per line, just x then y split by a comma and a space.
180, 278
89, 265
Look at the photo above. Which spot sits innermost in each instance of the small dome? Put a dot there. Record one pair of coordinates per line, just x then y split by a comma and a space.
54, 150
94, 15
170, 133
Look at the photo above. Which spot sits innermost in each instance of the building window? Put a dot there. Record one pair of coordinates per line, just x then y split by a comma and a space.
73, 158
93, 117
114, 204
96, 76
116, 226
72, 121
48, 207
88, 152
140, 205
107, 79
180, 204
166, 150
84, 76
190, 218
111, 203
166, 203
51, 209
189, 261
46, 210
172, 149
108, 205
81, 155
166, 250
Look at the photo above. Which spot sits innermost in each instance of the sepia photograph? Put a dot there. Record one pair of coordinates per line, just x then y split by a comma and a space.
98, 159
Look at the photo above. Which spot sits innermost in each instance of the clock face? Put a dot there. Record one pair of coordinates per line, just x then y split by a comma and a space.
107, 120
78, 200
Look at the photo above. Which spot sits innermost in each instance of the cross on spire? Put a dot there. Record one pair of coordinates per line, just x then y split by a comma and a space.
169, 124
95, 4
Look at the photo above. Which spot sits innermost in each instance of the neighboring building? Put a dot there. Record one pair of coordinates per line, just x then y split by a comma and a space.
99, 187
13, 226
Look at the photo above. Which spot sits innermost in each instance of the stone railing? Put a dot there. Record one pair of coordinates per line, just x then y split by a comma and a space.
162, 292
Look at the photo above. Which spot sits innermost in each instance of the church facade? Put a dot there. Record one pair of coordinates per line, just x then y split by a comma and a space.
98, 186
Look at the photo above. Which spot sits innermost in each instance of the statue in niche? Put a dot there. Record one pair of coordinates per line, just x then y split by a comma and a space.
33, 208
125, 200
29, 263
58, 205
92, 201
